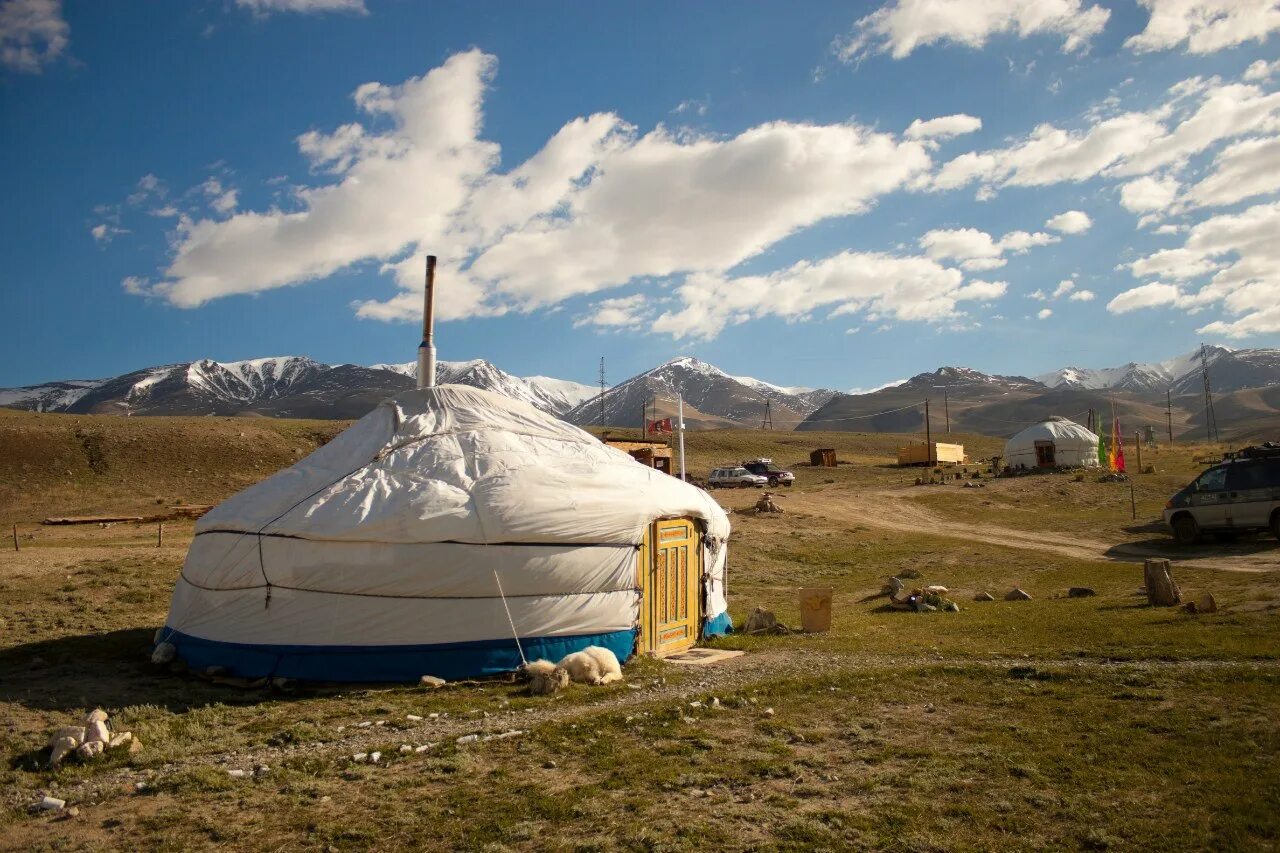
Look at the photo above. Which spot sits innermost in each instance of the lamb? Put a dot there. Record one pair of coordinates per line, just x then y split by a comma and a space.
593, 665
545, 677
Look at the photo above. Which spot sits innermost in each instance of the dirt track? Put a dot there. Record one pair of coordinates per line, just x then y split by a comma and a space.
895, 509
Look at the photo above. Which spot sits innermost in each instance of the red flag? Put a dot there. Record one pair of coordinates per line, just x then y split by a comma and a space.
1119, 445
661, 427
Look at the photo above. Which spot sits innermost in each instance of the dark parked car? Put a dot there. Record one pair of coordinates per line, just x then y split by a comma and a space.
766, 468
1241, 493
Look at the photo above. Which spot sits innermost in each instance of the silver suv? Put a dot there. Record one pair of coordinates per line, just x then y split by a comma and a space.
1242, 493
735, 478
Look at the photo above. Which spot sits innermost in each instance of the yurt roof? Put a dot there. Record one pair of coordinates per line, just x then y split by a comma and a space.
1057, 429
453, 463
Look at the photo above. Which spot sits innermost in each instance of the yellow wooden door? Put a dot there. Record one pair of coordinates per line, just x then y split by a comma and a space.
671, 607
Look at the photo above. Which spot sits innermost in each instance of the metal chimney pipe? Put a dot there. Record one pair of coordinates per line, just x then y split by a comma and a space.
427, 349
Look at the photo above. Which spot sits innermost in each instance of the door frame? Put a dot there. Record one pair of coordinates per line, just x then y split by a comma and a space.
646, 582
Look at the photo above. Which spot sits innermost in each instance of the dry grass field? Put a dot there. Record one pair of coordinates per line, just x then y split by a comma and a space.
1095, 723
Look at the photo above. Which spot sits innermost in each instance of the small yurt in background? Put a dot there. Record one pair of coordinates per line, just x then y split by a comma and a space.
421, 538
1053, 443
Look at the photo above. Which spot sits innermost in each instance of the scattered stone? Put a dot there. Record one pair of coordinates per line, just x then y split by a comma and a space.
89, 750
423, 748
164, 653
548, 765
364, 725
360, 757
237, 774
892, 587
984, 596
766, 504
467, 739
936, 590
375, 757
1080, 592
261, 770
413, 718
122, 739
49, 804
951, 607
71, 811
95, 731
910, 574
768, 712
97, 715
76, 733
1204, 604
405, 748
62, 747
431, 682
1017, 594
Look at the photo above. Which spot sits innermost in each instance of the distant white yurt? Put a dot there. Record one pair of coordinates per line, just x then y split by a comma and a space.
381, 556
1056, 442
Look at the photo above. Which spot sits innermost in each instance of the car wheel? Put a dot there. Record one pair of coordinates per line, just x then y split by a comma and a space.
1185, 529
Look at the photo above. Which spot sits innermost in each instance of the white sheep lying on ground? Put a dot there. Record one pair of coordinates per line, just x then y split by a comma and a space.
593, 665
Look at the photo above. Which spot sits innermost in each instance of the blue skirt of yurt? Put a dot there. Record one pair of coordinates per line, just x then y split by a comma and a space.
450, 661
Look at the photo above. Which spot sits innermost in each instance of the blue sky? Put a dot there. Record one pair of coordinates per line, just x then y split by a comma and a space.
245, 178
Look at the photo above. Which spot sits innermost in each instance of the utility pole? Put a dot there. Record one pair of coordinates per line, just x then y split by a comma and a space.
1168, 412
602, 392
767, 423
1210, 421
1137, 446
946, 407
928, 434
680, 427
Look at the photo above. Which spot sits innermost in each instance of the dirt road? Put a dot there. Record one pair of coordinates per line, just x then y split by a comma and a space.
895, 509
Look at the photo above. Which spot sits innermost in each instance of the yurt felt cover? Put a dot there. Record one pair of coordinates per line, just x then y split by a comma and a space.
1074, 445
374, 558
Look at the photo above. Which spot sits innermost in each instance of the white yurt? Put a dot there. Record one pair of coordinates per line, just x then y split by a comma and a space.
434, 531
1053, 443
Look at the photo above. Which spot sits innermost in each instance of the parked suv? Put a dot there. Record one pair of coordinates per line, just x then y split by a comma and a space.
765, 468
1241, 493
735, 478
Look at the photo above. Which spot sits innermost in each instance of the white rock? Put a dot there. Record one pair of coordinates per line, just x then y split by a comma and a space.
364, 725
90, 750
423, 748
360, 757
380, 723
374, 757
404, 747
122, 739
433, 716
413, 718
768, 712
237, 774
96, 732
62, 747
97, 715
432, 682
49, 804
76, 733
468, 739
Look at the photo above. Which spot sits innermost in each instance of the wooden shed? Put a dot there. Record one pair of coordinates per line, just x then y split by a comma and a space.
652, 452
823, 457
935, 453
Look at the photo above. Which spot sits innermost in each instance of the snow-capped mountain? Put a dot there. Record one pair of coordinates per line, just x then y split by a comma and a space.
1229, 370
286, 386
711, 397
551, 395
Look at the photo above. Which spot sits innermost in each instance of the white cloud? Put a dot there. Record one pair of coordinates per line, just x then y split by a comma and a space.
1240, 171
1082, 296
1071, 222
306, 7
900, 26
977, 250
1205, 25
693, 105
943, 127
33, 34
1260, 70
148, 187
880, 286
622, 312
105, 232
1044, 313
1239, 255
598, 207
1064, 287
1197, 114
1149, 194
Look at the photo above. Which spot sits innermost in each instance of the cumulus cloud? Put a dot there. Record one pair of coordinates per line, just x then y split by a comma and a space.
105, 232
901, 26
943, 127
305, 7
33, 34
621, 312
599, 206
1244, 170
1044, 313
1083, 296
1206, 26
1236, 260
881, 286
977, 250
1197, 115
1260, 70
1071, 222
1149, 194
